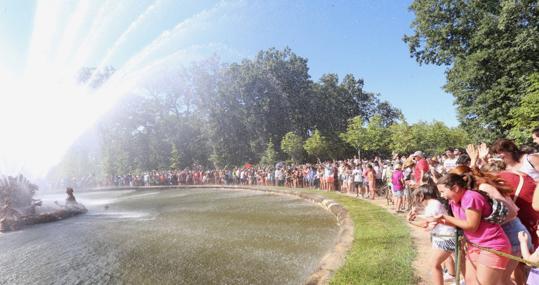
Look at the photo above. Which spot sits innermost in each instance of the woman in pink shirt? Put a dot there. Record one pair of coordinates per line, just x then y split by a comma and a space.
469, 207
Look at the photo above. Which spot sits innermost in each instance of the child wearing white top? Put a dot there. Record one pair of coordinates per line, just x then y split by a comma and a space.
442, 236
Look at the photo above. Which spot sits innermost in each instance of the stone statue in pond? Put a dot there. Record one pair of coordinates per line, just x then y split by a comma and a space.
71, 202
19, 208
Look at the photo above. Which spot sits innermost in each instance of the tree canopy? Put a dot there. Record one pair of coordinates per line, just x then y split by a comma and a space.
259, 110
490, 48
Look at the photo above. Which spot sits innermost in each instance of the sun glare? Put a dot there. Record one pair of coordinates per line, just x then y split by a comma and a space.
44, 109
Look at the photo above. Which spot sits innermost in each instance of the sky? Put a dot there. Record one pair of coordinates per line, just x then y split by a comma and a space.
43, 43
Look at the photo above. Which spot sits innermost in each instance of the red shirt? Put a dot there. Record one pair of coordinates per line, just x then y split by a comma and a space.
527, 215
421, 165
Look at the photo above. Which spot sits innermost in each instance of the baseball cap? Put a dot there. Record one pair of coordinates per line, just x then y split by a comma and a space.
418, 153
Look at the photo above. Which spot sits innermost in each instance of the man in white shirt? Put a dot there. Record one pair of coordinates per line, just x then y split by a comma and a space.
451, 161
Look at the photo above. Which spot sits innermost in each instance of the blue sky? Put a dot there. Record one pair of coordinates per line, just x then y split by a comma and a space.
359, 37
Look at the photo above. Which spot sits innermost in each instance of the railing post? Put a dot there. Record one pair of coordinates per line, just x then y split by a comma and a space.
458, 255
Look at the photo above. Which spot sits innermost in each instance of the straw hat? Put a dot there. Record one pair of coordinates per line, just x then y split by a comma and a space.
408, 162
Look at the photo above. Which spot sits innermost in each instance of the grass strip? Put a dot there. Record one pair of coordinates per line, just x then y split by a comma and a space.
382, 251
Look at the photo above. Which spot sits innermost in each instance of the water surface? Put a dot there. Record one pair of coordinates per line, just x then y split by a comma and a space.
176, 236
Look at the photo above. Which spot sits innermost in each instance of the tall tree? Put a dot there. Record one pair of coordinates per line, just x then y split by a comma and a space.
316, 145
489, 46
372, 139
525, 117
292, 145
402, 138
270, 155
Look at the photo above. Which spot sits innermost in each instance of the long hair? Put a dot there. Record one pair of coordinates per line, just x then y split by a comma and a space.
505, 145
480, 177
465, 180
494, 166
426, 191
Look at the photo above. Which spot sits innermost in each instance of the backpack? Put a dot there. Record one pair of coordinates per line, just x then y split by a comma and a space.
499, 210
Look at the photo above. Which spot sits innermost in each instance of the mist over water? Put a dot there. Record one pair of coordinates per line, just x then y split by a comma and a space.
183, 236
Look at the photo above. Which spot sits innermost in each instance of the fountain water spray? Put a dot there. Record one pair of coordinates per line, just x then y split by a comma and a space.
44, 109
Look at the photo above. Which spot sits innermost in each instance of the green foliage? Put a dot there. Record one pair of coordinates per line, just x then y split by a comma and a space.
374, 138
354, 133
402, 138
316, 145
270, 155
377, 136
525, 117
174, 158
292, 145
490, 46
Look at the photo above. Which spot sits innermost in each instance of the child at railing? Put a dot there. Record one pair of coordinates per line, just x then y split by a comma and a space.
443, 236
533, 277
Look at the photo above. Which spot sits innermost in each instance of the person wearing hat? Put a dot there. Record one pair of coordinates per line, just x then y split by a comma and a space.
421, 166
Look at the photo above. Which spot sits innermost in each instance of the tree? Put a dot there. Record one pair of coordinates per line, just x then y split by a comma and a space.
402, 138
270, 155
489, 46
355, 133
292, 145
257, 100
174, 158
373, 139
389, 114
316, 145
525, 117
377, 136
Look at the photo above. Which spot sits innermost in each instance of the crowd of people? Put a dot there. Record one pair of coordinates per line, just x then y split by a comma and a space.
487, 192
491, 196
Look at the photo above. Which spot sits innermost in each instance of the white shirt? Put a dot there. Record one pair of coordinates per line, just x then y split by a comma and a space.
433, 208
358, 175
450, 163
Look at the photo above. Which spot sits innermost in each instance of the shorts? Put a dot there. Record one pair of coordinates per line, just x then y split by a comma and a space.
357, 184
511, 230
398, 194
485, 258
330, 179
406, 192
447, 244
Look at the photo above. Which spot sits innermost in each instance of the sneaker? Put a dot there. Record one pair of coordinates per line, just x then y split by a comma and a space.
448, 277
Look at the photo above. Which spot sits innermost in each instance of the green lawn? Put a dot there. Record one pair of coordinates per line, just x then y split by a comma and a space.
382, 251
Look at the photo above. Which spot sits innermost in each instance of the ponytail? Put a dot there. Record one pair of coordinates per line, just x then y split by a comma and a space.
469, 179
481, 177
452, 179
